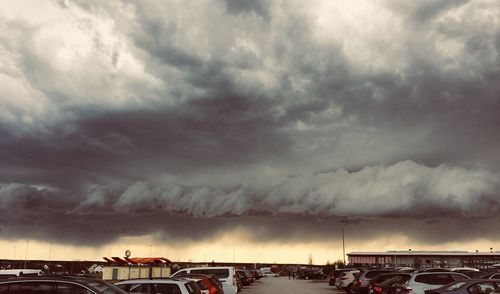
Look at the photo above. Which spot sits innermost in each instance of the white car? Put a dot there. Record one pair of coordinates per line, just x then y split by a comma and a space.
420, 282
345, 280
269, 274
225, 274
166, 286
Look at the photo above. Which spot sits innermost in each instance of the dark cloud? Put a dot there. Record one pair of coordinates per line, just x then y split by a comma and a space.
260, 7
250, 114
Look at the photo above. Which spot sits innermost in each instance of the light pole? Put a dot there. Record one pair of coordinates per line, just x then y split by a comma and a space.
343, 241
26, 256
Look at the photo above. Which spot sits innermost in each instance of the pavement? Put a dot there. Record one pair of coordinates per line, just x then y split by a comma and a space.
283, 285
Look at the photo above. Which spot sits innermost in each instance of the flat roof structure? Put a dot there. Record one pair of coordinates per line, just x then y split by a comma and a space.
426, 259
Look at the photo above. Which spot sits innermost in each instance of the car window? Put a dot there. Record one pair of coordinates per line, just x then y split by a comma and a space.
455, 285
32, 288
459, 277
201, 285
485, 287
219, 272
124, 287
390, 281
434, 279
167, 289
140, 289
181, 272
192, 288
103, 287
374, 273
66, 288
495, 276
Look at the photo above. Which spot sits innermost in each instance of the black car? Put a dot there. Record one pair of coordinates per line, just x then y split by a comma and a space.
362, 282
57, 285
376, 281
390, 286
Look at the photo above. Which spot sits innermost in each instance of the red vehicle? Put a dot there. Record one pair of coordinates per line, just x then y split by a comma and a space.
213, 284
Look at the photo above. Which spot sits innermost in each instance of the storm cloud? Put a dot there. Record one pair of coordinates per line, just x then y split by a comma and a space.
268, 115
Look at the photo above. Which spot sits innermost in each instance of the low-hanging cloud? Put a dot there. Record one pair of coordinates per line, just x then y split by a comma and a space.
405, 189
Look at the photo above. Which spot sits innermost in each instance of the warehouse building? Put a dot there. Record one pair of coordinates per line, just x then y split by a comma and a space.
426, 259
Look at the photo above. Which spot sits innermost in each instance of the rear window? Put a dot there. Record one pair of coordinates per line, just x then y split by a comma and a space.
218, 272
192, 288
434, 279
167, 289
373, 274
201, 285
390, 282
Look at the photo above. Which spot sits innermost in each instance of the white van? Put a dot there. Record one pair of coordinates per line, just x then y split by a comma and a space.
21, 272
226, 274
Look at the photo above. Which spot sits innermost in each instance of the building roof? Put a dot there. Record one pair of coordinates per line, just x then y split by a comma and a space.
138, 260
426, 253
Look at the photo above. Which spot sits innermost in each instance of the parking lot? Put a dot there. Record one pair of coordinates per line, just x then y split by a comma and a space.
283, 285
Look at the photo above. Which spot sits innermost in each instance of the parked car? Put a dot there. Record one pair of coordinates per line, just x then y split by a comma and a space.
310, 275
226, 274
245, 277
211, 282
269, 274
346, 279
67, 285
164, 286
362, 281
479, 286
380, 281
336, 274
422, 281
388, 286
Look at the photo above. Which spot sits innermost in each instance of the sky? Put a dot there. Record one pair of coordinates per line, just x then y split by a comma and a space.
248, 131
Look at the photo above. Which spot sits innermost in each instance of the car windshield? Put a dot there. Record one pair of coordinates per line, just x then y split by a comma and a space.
455, 285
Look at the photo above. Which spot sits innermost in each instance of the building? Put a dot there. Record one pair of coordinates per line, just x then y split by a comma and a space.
134, 268
426, 259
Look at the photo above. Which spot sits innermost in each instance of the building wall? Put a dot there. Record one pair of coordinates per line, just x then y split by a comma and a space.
135, 272
423, 261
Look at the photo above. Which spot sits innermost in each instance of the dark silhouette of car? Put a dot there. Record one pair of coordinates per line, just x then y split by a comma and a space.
475, 286
57, 285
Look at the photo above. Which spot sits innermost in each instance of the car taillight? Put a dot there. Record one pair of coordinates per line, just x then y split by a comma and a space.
358, 282
377, 289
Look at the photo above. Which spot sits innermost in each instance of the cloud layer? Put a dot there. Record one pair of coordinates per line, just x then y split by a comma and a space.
230, 114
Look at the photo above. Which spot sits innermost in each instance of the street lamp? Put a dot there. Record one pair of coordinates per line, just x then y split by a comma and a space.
343, 221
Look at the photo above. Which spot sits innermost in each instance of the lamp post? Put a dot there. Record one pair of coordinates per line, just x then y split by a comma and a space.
343, 221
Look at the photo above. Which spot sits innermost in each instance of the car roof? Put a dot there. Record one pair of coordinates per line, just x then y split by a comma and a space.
152, 281
210, 267
65, 279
